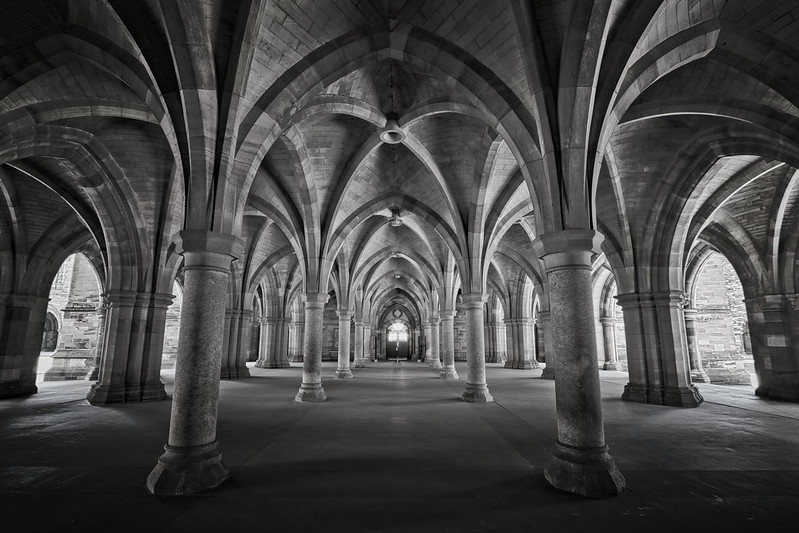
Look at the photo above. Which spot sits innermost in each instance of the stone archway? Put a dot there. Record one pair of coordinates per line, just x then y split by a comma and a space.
50, 335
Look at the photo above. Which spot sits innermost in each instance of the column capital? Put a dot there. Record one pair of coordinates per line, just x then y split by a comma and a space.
568, 248
314, 300
208, 249
690, 314
344, 314
434, 321
671, 298
447, 314
118, 298
474, 300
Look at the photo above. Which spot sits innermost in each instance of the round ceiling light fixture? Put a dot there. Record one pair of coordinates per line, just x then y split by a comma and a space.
391, 133
395, 219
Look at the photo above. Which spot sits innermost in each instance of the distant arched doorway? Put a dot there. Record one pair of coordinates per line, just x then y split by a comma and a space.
397, 346
50, 335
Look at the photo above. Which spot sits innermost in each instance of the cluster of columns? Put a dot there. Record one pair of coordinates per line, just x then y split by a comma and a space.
273, 349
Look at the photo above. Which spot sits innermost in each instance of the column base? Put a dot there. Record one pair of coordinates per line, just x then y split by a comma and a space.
343, 374
188, 470
435, 364
153, 392
309, 393
235, 373
448, 373
509, 364
548, 372
477, 394
101, 394
526, 365
359, 363
589, 472
669, 396
262, 363
699, 376
784, 394
612, 365
280, 364
15, 389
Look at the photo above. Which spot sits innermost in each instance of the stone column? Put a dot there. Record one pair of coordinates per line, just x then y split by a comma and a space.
311, 389
772, 326
111, 385
343, 369
657, 350
476, 386
426, 330
192, 461
152, 388
20, 343
448, 345
280, 354
101, 311
548, 349
434, 360
581, 463
264, 345
609, 341
359, 361
230, 345
368, 342
501, 340
698, 374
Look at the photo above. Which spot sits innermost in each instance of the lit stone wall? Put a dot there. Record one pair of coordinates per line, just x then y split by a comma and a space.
721, 323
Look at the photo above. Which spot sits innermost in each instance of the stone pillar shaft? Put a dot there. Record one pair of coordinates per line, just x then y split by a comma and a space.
192, 461
359, 361
311, 389
773, 328
609, 341
21, 332
698, 374
581, 463
448, 345
343, 369
433, 346
476, 387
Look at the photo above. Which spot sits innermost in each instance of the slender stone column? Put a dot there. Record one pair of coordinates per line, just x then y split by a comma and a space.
609, 340
152, 388
230, 345
501, 340
476, 387
448, 345
111, 385
343, 369
359, 361
581, 462
243, 334
547, 349
426, 330
280, 358
265, 344
523, 355
311, 389
368, 342
101, 311
698, 374
433, 346
20, 343
192, 461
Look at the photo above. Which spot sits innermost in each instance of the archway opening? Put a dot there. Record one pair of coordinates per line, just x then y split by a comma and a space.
397, 345
169, 353
717, 326
72, 324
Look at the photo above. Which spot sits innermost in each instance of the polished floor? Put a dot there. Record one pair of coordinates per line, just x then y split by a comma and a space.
395, 450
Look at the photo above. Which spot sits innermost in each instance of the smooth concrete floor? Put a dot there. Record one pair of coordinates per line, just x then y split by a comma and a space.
395, 450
